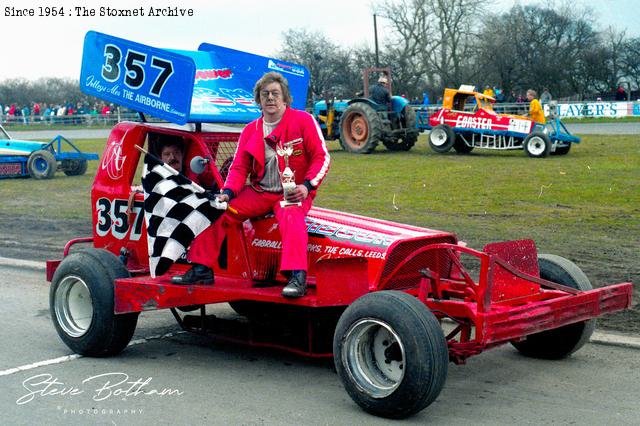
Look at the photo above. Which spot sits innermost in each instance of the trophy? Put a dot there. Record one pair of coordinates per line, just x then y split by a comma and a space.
287, 176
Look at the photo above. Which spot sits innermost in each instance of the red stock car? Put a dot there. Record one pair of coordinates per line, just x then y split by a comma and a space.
467, 121
378, 291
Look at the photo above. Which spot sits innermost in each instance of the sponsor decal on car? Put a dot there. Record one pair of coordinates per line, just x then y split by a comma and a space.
473, 122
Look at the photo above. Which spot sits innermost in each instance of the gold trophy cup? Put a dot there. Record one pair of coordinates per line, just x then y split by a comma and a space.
287, 176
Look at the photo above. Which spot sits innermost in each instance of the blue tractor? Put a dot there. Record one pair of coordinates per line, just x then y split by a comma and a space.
40, 160
363, 123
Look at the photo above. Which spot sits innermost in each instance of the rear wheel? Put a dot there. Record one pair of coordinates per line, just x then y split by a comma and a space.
75, 168
42, 164
441, 138
390, 354
81, 300
537, 145
360, 128
408, 120
560, 342
461, 146
562, 150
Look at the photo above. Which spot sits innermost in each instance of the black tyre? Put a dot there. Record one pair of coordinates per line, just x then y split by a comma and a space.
560, 342
461, 146
408, 120
390, 354
537, 145
75, 167
562, 150
42, 164
81, 300
441, 138
360, 128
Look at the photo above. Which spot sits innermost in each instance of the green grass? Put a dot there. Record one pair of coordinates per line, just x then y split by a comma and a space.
63, 197
596, 184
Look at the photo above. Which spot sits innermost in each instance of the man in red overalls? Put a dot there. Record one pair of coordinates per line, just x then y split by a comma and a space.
171, 150
282, 136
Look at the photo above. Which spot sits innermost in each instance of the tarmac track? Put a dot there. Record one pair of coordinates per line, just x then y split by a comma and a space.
231, 384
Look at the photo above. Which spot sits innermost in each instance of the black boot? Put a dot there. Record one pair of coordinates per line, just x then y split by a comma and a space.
297, 286
198, 274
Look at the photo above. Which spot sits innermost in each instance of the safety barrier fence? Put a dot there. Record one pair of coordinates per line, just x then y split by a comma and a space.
84, 120
595, 109
587, 109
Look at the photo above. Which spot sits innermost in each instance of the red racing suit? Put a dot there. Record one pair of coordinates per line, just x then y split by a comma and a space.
309, 161
200, 248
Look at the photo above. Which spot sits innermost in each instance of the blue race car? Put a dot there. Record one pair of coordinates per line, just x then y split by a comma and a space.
40, 160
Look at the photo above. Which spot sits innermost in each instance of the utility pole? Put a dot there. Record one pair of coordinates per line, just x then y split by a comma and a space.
375, 35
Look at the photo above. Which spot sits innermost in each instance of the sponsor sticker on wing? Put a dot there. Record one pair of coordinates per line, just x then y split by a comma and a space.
286, 68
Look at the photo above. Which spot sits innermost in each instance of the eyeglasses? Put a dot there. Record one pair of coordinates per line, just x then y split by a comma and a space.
275, 93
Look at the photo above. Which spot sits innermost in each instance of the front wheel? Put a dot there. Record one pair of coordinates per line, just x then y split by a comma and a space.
537, 145
560, 342
390, 354
81, 299
441, 138
42, 164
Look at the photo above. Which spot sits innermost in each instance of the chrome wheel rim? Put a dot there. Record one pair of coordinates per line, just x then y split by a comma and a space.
374, 357
438, 137
536, 146
73, 306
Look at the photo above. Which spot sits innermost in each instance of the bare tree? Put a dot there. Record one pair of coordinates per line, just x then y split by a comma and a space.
327, 62
49, 90
630, 61
536, 47
407, 51
435, 40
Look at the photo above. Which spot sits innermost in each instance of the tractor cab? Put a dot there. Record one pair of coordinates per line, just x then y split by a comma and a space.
361, 123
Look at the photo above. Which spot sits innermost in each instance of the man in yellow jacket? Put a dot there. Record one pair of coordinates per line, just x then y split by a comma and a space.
535, 109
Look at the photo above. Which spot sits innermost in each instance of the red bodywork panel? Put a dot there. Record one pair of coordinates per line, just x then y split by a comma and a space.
349, 256
482, 115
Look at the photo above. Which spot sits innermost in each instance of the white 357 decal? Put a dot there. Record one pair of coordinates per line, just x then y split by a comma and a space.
113, 218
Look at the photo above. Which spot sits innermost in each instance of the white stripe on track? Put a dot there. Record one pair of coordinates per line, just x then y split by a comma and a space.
72, 357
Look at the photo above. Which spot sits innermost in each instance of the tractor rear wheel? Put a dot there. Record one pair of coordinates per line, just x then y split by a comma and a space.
441, 138
360, 128
390, 354
560, 342
76, 168
537, 145
42, 164
408, 120
81, 300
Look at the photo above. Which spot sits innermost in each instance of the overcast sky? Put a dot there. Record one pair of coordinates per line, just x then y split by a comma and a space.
34, 47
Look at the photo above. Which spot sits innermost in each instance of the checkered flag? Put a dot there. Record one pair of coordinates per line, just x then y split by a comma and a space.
176, 211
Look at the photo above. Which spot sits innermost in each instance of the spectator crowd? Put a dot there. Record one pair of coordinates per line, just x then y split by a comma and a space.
67, 113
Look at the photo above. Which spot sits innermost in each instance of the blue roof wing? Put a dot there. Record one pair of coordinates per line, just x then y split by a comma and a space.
247, 68
144, 78
213, 84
